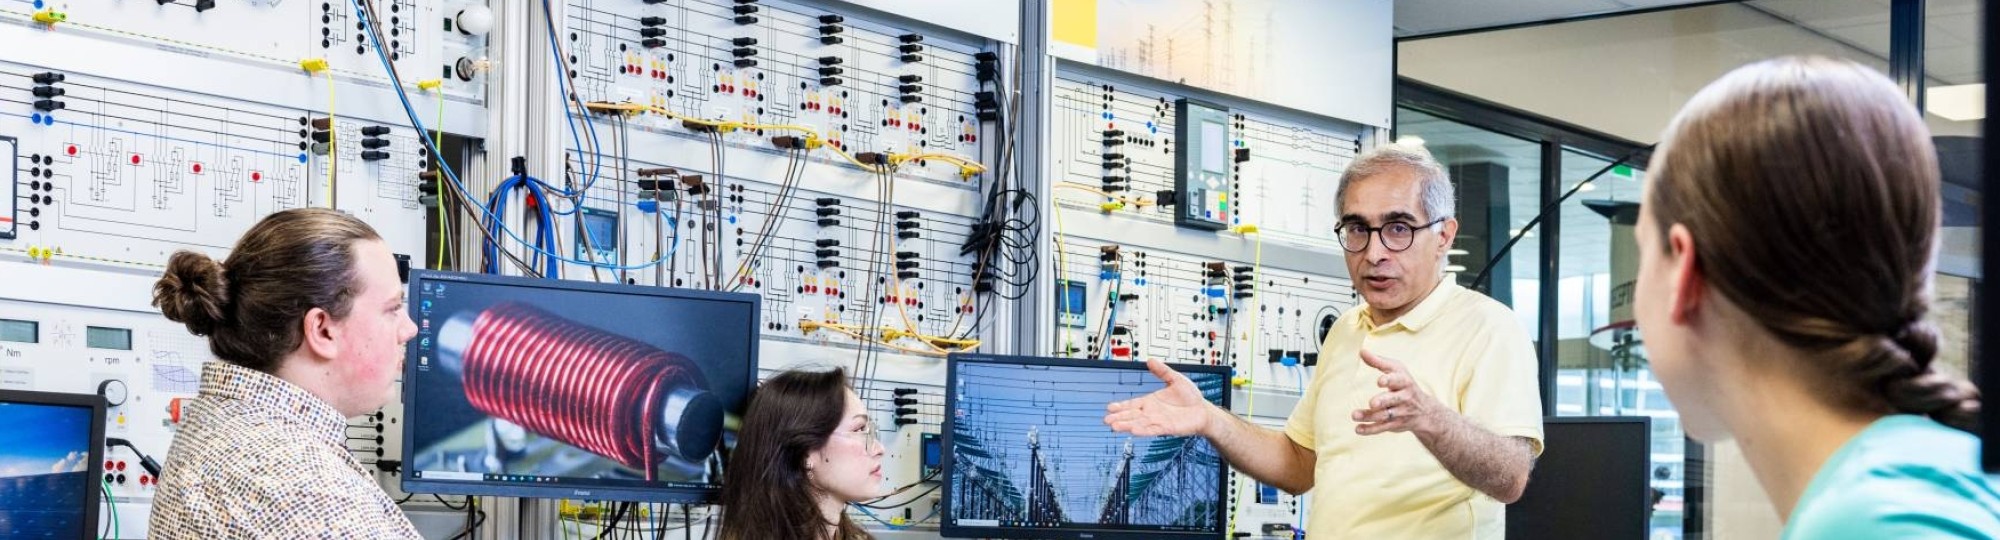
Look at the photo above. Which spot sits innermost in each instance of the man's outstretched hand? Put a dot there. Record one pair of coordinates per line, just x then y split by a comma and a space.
1179, 409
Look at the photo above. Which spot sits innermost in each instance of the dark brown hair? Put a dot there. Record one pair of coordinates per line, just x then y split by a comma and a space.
1811, 188
250, 306
766, 493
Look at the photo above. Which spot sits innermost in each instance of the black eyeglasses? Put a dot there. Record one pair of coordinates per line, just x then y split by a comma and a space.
1396, 235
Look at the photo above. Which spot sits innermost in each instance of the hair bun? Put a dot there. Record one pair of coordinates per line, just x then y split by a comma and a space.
193, 292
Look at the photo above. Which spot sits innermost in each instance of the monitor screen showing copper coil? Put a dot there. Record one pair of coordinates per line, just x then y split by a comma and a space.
544, 388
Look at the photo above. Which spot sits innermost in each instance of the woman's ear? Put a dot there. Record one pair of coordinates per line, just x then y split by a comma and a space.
1689, 285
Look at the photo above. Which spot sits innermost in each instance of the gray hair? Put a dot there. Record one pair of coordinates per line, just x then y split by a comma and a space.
1439, 198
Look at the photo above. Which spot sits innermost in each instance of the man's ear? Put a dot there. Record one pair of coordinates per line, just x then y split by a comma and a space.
320, 334
1449, 234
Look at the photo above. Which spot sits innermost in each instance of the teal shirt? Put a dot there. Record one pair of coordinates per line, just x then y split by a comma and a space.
1904, 476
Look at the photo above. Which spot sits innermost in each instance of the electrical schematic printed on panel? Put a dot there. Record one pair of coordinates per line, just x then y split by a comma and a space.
1119, 302
123, 164
126, 174
831, 165
861, 94
139, 129
827, 264
1119, 149
444, 39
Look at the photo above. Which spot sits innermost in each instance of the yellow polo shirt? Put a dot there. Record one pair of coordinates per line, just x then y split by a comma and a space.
1464, 349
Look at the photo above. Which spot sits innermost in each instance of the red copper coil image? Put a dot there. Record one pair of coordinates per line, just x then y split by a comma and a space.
601, 392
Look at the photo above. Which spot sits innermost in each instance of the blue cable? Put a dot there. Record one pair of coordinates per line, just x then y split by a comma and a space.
416, 122
562, 84
543, 242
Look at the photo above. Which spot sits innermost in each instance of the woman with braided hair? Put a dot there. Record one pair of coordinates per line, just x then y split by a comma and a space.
1786, 240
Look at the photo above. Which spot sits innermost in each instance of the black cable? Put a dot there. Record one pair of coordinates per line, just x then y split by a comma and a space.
1478, 282
623, 508
794, 172
913, 500
474, 517
447, 504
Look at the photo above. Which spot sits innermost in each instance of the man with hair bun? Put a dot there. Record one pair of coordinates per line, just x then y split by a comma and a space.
309, 320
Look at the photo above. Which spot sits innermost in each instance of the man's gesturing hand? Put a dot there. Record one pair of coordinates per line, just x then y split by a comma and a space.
1178, 409
1402, 407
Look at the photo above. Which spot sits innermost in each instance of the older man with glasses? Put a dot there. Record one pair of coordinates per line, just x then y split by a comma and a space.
1424, 417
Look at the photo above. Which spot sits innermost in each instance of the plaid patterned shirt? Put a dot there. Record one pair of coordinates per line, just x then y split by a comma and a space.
261, 458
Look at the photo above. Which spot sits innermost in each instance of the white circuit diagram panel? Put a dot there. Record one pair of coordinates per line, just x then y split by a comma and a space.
129, 173
1149, 303
275, 34
783, 69
1115, 142
133, 130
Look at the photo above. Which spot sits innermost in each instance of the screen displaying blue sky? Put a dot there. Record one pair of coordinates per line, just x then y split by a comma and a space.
43, 439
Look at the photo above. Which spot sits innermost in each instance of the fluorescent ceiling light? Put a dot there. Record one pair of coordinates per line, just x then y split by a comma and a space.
1957, 103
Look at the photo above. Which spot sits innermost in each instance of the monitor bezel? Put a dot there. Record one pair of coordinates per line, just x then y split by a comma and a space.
946, 527
679, 495
93, 492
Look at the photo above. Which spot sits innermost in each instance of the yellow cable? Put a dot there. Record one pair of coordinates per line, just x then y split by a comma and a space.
438, 157
1250, 390
1120, 199
889, 335
967, 167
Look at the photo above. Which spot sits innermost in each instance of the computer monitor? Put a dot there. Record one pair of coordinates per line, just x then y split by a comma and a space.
565, 389
1590, 482
51, 456
1027, 454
